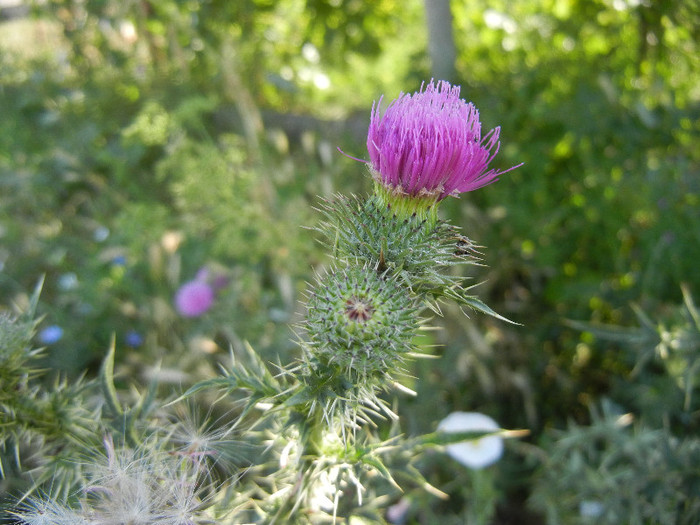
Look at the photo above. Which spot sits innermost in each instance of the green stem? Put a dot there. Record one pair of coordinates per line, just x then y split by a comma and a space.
482, 499
121, 420
310, 439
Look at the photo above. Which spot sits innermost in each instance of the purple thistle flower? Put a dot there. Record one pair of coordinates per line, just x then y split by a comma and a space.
217, 281
429, 145
194, 298
202, 274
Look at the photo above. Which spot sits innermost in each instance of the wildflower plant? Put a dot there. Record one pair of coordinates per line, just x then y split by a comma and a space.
314, 423
58, 418
393, 260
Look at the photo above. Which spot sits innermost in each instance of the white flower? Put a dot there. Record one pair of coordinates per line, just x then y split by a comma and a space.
478, 453
591, 509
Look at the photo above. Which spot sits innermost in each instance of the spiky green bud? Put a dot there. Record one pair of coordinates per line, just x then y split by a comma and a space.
417, 250
360, 321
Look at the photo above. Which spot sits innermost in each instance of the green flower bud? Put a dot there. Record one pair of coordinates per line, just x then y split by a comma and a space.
418, 250
361, 322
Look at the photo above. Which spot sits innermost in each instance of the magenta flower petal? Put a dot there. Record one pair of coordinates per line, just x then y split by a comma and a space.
429, 144
194, 298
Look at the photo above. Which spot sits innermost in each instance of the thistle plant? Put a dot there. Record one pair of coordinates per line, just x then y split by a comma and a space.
360, 322
396, 252
58, 419
316, 420
393, 259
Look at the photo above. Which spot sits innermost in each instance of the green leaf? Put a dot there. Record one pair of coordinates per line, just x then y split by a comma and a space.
473, 302
34, 300
436, 439
690, 306
377, 464
633, 336
228, 383
107, 381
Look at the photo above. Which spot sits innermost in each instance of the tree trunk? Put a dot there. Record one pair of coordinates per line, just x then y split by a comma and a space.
441, 44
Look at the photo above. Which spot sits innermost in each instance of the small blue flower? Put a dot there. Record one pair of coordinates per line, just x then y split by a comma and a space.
68, 281
133, 339
119, 260
591, 509
51, 334
100, 234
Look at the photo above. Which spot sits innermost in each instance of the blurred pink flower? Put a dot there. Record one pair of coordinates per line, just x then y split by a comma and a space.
429, 144
217, 280
194, 298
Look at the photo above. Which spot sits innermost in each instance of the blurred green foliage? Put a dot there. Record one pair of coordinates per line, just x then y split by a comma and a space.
644, 470
143, 140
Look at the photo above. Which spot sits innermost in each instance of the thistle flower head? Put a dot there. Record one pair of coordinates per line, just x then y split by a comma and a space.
139, 487
43, 510
360, 321
429, 145
194, 298
415, 249
197, 296
131, 490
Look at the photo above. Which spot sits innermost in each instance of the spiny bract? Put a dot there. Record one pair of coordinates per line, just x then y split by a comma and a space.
361, 321
414, 249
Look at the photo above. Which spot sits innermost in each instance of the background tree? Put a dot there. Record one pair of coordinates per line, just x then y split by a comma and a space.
441, 45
